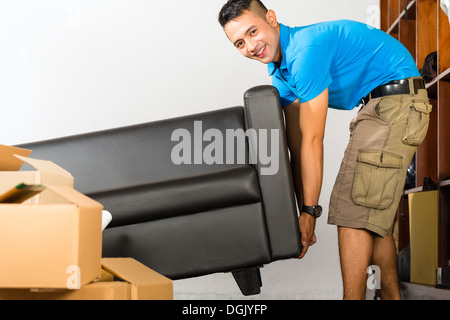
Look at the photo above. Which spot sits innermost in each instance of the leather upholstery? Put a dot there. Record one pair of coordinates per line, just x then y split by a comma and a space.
187, 220
132, 155
218, 240
230, 187
263, 110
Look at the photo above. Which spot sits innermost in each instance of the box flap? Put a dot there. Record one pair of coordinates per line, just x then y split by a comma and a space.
131, 270
45, 166
74, 196
7, 160
145, 283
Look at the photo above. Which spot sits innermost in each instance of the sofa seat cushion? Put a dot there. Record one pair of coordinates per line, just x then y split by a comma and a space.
218, 240
229, 187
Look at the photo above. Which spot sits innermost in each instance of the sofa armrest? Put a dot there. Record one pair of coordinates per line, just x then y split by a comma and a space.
263, 113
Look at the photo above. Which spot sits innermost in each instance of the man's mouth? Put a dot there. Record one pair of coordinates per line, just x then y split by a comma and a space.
261, 52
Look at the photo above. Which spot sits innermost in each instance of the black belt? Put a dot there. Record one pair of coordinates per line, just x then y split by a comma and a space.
394, 87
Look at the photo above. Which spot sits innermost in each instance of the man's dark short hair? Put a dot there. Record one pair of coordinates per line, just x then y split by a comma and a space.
234, 8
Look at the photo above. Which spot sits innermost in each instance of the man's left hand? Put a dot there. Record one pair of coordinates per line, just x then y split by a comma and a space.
307, 224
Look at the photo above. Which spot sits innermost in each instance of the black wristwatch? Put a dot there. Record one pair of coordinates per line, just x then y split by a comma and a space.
315, 211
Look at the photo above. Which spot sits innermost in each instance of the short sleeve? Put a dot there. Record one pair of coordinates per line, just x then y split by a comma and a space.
311, 71
286, 94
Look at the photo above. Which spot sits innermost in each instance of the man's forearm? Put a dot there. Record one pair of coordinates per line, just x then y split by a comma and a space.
311, 170
312, 118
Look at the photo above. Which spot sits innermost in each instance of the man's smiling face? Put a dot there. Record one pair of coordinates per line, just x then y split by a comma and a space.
256, 37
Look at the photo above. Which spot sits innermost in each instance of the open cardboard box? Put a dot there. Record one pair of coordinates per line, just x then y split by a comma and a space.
47, 173
51, 245
122, 279
52, 240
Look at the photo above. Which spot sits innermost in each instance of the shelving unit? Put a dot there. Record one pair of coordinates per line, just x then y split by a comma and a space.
423, 28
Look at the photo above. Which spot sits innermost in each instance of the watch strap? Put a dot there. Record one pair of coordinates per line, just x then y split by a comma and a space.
311, 210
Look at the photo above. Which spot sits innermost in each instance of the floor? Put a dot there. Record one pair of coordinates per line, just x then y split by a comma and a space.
412, 291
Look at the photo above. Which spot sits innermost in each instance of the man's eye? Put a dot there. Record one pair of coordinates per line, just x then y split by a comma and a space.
239, 44
253, 32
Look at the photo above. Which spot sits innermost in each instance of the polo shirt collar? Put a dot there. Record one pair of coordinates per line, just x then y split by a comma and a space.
284, 42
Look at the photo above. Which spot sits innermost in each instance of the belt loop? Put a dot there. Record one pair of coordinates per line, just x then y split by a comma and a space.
412, 90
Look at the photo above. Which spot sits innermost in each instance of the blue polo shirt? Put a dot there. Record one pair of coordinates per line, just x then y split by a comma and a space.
348, 57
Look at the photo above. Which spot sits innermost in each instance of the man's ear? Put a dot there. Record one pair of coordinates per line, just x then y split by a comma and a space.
271, 18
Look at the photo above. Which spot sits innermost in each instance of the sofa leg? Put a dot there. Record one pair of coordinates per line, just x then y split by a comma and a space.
248, 280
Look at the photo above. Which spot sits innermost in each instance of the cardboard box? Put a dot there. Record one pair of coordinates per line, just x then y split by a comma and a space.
47, 173
94, 291
122, 279
144, 283
423, 224
56, 244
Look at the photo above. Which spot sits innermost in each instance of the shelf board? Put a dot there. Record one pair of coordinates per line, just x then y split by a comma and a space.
432, 88
411, 16
432, 85
393, 29
432, 82
444, 183
412, 190
444, 76
441, 184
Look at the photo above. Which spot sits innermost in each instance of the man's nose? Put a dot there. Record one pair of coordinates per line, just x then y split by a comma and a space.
251, 46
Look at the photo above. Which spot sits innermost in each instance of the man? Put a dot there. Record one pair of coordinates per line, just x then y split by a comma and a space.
342, 64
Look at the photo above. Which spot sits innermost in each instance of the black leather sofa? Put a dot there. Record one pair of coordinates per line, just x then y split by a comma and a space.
187, 220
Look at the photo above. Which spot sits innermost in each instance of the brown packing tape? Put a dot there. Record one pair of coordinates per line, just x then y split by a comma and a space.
21, 193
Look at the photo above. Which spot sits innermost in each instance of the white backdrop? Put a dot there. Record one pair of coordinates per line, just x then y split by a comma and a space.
69, 67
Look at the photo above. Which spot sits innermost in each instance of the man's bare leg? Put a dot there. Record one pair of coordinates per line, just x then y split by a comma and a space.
385, 257
355, 250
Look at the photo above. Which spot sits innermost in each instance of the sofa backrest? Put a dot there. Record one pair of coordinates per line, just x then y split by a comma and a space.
148, 152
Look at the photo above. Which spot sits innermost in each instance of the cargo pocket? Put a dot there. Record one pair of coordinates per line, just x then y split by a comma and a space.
376, 178
417, 123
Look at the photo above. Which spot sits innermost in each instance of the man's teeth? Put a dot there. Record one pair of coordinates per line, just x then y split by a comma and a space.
260, 51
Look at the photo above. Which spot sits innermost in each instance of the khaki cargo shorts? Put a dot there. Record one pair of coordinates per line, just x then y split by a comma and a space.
384, 136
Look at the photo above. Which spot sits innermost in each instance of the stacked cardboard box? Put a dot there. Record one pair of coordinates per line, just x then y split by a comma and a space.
424, 235
121, 279
50, 245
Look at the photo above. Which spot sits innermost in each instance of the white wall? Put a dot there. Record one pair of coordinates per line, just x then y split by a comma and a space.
69, 67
